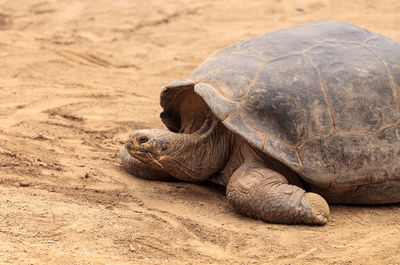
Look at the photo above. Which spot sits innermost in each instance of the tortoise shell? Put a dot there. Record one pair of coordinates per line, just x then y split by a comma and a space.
323, 98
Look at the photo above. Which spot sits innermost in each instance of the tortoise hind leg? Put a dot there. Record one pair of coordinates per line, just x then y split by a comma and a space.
261, 193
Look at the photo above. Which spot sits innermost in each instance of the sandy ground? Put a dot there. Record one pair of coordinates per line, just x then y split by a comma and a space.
77, 76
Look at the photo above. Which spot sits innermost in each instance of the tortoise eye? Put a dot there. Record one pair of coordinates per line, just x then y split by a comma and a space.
143, 140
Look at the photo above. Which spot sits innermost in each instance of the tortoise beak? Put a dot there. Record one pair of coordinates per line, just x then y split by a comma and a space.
135, 145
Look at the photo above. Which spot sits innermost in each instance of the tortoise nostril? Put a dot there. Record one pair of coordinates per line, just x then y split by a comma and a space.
143, 140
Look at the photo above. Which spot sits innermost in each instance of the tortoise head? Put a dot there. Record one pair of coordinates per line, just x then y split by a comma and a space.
153, 147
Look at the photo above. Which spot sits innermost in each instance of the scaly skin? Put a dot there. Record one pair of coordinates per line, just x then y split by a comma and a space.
262, 193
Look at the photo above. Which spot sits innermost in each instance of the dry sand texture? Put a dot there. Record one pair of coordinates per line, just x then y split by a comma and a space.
77, 76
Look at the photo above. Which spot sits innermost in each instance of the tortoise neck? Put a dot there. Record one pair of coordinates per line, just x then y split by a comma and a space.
202, 153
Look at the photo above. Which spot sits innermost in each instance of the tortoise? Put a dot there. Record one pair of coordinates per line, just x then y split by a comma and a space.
288, 121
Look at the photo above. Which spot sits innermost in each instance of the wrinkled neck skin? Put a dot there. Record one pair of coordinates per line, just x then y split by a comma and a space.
201, 154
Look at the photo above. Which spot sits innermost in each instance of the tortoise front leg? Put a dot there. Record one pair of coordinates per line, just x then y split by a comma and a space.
141, 170
262, 193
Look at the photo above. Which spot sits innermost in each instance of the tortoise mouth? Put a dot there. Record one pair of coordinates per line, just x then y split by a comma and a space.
137, 153
145, 157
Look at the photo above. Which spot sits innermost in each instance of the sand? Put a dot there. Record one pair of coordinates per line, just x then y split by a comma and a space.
77, 76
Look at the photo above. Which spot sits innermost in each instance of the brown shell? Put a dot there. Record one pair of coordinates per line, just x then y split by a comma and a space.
322, 98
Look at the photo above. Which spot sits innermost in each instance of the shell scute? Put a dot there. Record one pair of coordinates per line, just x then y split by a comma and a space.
240, 73
384, 48
339, 31
358, 86
217, 103
236, 123
287, 101
278, 43
278, 150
